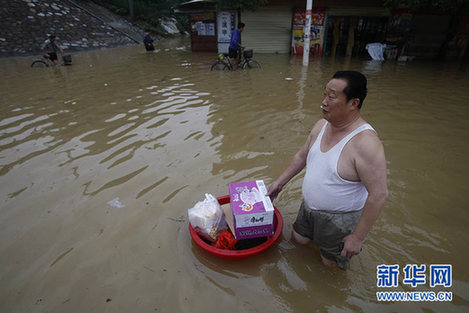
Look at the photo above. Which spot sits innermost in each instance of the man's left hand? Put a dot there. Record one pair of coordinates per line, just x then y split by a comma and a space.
352, 246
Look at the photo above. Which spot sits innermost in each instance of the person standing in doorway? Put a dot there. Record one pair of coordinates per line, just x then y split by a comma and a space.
235, 45
344, 187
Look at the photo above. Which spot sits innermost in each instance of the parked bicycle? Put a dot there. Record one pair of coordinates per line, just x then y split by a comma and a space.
46, 62
245, 62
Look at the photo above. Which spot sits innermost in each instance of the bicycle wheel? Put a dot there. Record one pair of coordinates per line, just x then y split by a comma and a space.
39, 63
220, 66
251, 64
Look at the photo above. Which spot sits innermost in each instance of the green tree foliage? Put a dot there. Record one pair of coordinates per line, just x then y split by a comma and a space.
143, 7
444, 6
147, 12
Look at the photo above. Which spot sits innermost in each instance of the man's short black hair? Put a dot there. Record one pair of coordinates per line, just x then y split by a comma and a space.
241, 25
51, 36
356, 85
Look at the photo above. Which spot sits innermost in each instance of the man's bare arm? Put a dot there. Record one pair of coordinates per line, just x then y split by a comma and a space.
370, 164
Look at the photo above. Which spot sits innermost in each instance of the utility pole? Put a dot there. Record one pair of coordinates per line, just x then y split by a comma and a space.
307, 32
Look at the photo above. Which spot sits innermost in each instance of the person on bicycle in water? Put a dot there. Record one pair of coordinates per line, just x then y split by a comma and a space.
235, 44
50, 48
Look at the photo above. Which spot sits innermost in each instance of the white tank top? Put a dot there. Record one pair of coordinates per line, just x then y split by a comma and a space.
323, 188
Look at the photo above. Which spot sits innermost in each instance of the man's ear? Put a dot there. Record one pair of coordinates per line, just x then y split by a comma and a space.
355, 102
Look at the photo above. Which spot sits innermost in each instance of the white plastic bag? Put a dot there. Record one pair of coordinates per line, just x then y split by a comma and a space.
207, 218
375, 50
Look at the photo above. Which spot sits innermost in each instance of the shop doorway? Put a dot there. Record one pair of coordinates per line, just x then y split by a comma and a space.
349, 35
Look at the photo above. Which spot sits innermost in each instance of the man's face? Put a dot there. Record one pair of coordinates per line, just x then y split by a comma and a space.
334, 103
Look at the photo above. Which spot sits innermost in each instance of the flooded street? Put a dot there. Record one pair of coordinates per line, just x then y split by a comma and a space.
154, 132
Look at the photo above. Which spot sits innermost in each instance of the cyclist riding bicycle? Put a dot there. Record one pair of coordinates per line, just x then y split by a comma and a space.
235, 44
50, 48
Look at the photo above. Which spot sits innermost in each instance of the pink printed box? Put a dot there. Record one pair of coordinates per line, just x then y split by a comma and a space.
253, 212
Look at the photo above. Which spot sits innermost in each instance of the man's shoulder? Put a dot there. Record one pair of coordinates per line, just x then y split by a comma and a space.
366, 141
368, 134
316, 129
367, 151
320, 123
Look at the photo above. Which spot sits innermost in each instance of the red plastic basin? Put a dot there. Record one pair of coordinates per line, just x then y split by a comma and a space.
239, 254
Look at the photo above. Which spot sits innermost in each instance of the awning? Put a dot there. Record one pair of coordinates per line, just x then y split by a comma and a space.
196, 6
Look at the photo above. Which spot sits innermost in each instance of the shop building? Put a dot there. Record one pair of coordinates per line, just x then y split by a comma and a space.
338, 28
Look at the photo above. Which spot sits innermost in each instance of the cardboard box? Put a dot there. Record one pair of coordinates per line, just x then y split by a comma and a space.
252, 211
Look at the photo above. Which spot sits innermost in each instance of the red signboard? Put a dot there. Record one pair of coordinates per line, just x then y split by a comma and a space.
317, 30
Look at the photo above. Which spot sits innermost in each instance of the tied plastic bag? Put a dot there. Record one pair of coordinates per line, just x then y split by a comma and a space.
207, 218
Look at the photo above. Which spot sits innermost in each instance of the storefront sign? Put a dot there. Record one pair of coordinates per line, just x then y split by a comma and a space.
225, 25
317, 31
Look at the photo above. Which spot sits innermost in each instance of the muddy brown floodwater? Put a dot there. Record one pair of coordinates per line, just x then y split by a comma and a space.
157, 131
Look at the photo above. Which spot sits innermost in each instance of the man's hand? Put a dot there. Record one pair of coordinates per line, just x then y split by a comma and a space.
352, 246
274, 190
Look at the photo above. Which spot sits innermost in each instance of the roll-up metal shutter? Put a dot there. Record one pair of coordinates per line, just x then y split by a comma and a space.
268, 30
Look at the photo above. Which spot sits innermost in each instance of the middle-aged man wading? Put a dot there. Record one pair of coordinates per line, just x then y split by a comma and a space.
344, 187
